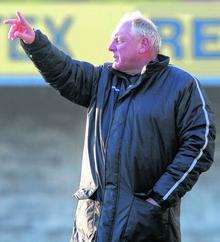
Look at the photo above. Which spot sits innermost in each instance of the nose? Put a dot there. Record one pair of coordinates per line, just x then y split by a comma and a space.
111, 46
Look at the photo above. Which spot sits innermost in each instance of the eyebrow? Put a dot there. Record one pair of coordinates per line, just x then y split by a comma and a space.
115, 35
119, 36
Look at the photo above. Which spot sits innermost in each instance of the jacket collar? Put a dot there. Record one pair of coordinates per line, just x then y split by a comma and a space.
161, 62
151, 69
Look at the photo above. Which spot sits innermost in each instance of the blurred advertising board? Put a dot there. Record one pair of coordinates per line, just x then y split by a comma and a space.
190, 34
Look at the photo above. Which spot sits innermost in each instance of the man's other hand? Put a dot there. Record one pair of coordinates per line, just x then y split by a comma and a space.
152, 201
20, 28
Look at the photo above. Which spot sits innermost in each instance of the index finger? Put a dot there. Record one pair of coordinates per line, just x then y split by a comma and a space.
21, 18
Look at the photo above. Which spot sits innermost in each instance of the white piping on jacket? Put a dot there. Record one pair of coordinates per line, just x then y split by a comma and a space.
201, 151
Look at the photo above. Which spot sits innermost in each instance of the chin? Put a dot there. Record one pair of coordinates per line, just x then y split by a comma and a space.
116, 66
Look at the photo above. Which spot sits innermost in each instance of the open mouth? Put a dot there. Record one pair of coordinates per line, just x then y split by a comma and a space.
115, 57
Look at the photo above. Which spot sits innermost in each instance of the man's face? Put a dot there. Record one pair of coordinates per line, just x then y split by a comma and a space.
125, 47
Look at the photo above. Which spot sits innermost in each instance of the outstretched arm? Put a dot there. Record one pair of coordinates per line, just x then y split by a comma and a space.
75, 80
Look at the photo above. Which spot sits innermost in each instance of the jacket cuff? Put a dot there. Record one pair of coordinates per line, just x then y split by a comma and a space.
36, 44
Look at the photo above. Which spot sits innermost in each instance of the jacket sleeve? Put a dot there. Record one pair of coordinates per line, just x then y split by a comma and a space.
196, 134
75, 80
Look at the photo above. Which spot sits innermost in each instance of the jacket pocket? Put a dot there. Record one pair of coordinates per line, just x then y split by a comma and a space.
146, 222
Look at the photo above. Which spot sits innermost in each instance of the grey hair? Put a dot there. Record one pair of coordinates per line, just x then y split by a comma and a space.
144, 27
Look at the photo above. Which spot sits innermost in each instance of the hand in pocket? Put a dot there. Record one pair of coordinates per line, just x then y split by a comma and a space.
146, 222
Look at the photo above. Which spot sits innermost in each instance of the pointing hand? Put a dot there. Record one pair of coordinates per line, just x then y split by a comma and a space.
20, 28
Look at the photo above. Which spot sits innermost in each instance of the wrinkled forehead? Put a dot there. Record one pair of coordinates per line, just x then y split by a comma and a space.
122, 29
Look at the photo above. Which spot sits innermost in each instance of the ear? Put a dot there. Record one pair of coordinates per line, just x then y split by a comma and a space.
144, 45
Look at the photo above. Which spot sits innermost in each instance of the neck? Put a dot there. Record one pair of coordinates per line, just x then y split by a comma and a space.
133, 72
140, 67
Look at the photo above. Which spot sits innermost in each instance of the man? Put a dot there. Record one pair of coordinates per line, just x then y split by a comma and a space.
149, 133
